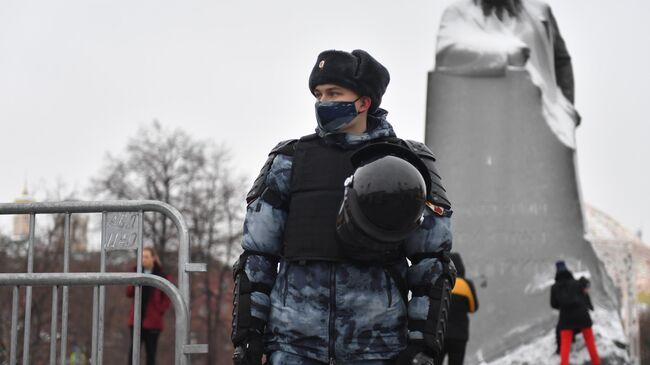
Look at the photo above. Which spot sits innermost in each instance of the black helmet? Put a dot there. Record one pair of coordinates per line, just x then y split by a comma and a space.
384, 201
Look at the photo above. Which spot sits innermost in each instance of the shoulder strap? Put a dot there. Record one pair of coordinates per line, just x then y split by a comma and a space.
284, 148
420, 149
438, 194
259, 186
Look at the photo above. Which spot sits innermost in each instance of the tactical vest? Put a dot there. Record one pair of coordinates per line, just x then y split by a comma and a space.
318, 173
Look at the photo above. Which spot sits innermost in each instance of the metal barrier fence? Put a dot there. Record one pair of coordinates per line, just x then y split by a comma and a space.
121, 229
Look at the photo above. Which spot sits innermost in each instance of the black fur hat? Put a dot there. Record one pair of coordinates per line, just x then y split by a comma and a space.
357, 71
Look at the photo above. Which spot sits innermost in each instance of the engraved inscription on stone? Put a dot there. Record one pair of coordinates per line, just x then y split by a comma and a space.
121, 231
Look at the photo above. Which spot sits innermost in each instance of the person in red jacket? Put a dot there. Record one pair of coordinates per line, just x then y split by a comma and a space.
154, 305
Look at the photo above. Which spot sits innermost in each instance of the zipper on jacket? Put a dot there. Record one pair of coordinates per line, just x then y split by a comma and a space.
389, 288
332, 313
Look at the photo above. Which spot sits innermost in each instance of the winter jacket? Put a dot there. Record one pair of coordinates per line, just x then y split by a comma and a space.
570, 298
463, 302
154, 304
336, 311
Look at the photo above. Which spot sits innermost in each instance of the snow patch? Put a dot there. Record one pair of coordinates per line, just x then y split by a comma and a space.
610, 341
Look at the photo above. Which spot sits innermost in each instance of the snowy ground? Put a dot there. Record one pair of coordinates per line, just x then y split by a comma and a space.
610, 341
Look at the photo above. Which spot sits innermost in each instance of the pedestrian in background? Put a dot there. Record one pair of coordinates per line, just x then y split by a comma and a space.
571, 298
154, 304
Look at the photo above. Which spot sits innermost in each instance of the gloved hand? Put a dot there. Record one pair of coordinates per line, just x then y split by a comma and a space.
249, 352
414, 354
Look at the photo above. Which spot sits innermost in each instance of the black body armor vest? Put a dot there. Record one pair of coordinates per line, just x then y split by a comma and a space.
319, 171
318, 174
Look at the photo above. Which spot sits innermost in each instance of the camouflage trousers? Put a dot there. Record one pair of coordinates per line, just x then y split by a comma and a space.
285, 358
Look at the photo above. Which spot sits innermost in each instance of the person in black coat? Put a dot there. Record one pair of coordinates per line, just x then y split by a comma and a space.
463, 302
571, 298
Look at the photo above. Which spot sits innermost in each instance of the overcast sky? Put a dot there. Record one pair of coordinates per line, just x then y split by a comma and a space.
77, 79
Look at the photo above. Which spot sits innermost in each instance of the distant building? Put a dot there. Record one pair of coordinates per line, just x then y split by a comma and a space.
627, 262
642, 260
626, 257
21, 221
56, 235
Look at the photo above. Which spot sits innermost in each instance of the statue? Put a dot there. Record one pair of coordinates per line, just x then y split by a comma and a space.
501, 118
485, 37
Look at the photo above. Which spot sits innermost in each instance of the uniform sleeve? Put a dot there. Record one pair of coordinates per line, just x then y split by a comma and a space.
432, 238
262, 237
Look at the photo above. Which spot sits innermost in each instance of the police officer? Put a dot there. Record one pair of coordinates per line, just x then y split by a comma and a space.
318, 209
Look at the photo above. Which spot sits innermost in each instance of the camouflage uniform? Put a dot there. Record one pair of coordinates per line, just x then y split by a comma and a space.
328, 311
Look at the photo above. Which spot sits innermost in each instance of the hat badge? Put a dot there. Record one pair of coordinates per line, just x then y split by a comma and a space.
321, 64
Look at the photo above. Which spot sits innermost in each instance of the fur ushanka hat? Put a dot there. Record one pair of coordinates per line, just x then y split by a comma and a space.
357, 71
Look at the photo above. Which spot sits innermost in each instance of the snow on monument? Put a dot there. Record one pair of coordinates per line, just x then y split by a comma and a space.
504, 134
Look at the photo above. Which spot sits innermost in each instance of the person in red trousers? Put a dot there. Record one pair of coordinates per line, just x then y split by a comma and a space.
154, 305
571, 298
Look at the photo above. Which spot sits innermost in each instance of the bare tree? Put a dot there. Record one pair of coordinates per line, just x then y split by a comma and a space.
158, 164
197, 178
194, 176
213, 206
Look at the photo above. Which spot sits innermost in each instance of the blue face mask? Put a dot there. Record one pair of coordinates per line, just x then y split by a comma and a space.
334, 115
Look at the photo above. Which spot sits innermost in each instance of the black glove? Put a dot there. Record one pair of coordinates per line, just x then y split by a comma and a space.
249, 352
414, 354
